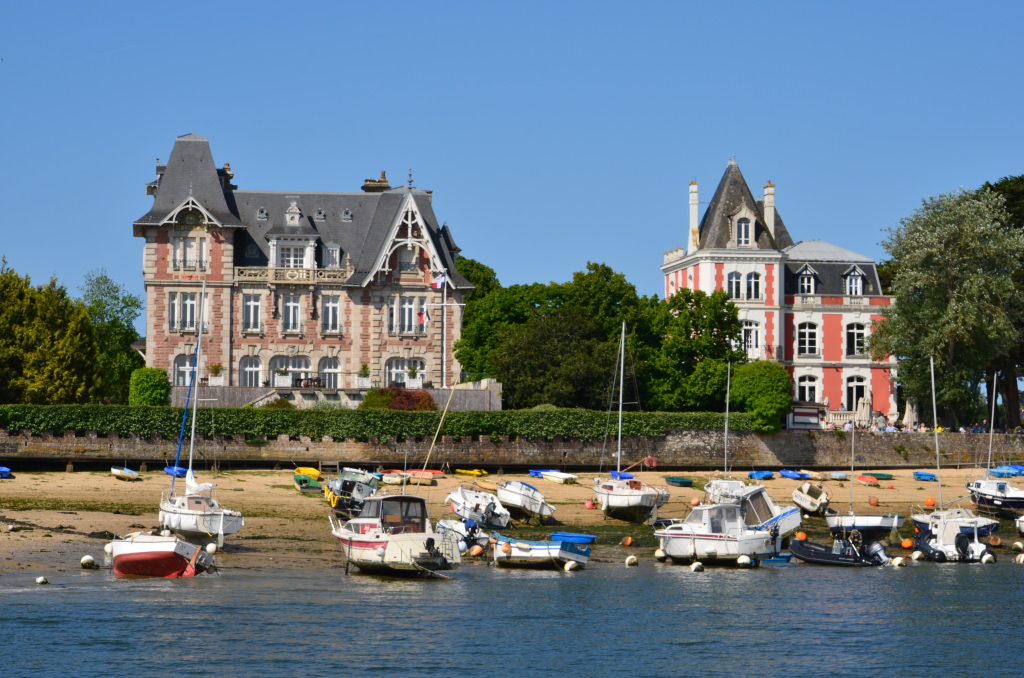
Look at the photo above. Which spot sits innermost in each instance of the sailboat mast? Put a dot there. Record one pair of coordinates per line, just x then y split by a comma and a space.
728, 385
991, 425
622, 385
195, 367
853, 443
935, 429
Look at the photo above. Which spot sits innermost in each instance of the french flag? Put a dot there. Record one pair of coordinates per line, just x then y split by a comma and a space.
438, 282
424, 317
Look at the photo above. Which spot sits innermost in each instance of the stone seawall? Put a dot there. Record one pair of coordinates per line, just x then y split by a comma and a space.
679, 449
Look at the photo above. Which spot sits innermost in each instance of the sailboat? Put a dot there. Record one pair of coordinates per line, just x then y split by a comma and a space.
196, 514
627, 499
951, 534
994, 493
868, 526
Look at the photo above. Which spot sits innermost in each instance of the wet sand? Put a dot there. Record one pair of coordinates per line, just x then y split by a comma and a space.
48, 521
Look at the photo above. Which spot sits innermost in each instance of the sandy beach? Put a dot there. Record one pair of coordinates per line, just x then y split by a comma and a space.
49, 520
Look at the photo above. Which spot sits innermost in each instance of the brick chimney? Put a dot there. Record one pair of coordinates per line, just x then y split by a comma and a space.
769, 208
693, 240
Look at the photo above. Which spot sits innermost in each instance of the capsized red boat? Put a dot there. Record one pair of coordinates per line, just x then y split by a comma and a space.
144, 554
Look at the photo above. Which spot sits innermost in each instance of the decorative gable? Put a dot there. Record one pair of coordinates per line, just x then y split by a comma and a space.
407, 239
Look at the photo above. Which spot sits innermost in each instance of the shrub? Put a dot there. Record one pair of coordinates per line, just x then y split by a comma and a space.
148, 386
394, 398
279, 404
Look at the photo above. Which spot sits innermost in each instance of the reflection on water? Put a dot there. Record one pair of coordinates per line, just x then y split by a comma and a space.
656, 620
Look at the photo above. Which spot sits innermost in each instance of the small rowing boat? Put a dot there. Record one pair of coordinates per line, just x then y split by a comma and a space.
573, 537
924, 475
176, 471
679, 481
760, 475
124, 473
313, 473
870, 481
476, 472
559, 477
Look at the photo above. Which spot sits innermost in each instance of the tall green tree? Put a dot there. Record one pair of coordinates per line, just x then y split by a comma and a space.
486, 317
764, 390
956, 266
15, 310
112, 310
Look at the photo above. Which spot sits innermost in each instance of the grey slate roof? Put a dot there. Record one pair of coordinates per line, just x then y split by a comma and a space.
358, 222
732, 194
830, 264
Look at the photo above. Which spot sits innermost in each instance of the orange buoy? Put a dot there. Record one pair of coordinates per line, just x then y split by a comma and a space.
802, 536
890, 487
907, 543
590, 504
506, 548
627, 541
695, 501
917, 530
873, 501
476, 550
929, 502
994, 540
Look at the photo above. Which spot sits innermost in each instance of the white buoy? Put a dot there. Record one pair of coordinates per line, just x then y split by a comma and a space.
380, 551
571, 566
916, 555
660, 555
744, 561
89, 563
631, 561
42, 580
1019, 559
1018, 546
108, 548
463, 546
807, 516
211, 548
987, 558
899, 561
165, 533
696, 566
10, 528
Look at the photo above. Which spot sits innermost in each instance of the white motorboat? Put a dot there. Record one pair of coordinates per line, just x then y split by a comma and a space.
349, 490
124, 473
1020, 526
715, 534
997, 495
196, 514
482, 507
969, 521
756, 506
393, 535
559, 477
144, 554
952, 535
547, 554
524, 500
627, 499
811, 497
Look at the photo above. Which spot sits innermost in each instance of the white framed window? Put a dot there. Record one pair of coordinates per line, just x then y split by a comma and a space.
855, 339
182, 370
291, 316
751, 337
402, 315
807, 389
330, 314
251, 317
329, 371
753, 286
408, 314
332, 256
807, 339
743, 232
297, 366
855, 390
806, 283
182, 311
421, 316
733, 283
291, 257
397, 369
189, 252
406, 259
854, 284
249, 370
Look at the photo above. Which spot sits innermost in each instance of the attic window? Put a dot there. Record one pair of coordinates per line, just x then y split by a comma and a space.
346, 215
320, 215
743, 232
854, 284
261, 214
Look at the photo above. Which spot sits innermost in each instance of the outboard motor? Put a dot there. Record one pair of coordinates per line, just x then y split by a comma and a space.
877, 554
963, 545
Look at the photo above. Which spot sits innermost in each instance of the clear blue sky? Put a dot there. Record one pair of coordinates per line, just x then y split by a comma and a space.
552, 133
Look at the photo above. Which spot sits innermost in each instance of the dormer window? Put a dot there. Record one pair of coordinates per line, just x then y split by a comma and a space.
332, 256
743, 232
346, 215
292, 214
320, 215
262, 214
806, 283
854, 284
291, 257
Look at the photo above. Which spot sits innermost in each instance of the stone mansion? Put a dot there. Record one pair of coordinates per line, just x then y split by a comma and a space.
808, 305
330, 292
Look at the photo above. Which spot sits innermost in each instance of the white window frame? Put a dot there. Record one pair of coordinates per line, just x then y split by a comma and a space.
332, 257
289, 256
182, 311
182, 369
751, 336
329, 371
856, 339
854, 285
806, 283
330, 314
807, 339
291, 313
407, 317
250, 371
397, 369
252, 313
743, 232
856, 388
807, 389
406, 259
733, 285
753, 286
297, 366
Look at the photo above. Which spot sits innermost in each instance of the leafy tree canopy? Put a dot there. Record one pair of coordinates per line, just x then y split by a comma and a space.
112, 310
764, 390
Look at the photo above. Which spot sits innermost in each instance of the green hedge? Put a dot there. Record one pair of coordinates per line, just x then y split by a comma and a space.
359, 425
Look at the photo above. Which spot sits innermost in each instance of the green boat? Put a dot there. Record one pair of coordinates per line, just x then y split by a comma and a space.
679, 481
306, 484
882, 476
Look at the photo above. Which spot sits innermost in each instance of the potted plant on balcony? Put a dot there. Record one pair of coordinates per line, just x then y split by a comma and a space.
281, 377
215, 378
363, 378
412, 381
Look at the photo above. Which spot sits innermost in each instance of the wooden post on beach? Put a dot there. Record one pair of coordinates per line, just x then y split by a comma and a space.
70, 468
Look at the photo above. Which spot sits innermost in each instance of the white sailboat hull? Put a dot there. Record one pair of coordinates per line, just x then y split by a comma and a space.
683, 544
629, 500
524, 499
211, 522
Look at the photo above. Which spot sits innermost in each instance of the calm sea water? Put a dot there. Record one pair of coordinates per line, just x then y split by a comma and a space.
608, 620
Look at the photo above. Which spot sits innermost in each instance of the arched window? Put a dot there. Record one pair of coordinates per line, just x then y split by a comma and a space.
854, 284
855, 339
398, 369
753, 286
329, 370
733, 286
249, 371
743, 232
182, 370
807, 389
807, 339
854, 392
297, 366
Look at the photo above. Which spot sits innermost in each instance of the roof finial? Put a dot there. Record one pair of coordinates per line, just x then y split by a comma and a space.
190, 189
410, 177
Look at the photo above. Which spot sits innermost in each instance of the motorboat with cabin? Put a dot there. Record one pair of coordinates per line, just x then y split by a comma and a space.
347, 493
715, 534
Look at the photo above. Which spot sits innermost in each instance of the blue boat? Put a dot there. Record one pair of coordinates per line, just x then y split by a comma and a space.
176, 471
554, 554
838, 475
621, 475
1011, 470
924, 475
573, 537
783, 557
5, 472
761, 475
793, 475
1001, 473
539, 472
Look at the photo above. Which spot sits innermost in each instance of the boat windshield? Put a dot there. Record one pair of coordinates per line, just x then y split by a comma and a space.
409, 515
756, 509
